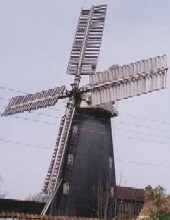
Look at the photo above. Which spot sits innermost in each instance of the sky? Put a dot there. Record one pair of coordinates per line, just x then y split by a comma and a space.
35, 43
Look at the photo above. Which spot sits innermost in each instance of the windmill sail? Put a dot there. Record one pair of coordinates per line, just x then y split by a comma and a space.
30, 102
122, 82
86, 46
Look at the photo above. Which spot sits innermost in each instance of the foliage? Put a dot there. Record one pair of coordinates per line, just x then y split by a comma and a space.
160, 214
155, 195
149, 193
39, 197
159, 196
155, 203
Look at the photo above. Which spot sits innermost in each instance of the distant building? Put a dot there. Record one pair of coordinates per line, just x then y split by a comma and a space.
19, 206
129, 201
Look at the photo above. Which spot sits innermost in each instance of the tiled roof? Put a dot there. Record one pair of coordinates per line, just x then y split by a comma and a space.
129, 193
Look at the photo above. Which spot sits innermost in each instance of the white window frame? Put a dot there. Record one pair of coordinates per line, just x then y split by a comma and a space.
66, 188
110, 162
70, 159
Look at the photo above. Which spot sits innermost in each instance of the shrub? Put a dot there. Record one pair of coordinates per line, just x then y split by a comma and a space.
160, 214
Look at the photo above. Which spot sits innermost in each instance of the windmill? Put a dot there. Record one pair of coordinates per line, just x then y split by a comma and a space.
83, 155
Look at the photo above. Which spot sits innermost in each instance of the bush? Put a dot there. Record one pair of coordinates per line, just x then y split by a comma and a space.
160, 214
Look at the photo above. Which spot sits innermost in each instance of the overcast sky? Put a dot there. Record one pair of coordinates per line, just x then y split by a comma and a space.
36, 37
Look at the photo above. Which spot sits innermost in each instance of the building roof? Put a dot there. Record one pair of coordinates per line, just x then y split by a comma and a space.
129, 193
19, 206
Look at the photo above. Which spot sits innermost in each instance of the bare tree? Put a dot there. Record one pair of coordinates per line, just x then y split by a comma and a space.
39, 197
2, 195
102, 197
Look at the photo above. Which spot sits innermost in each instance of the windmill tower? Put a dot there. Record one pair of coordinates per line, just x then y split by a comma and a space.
82, 165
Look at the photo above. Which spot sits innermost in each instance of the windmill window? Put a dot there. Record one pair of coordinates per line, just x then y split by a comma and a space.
75, 129
112, 191
70, 159
110, 162
66, 188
